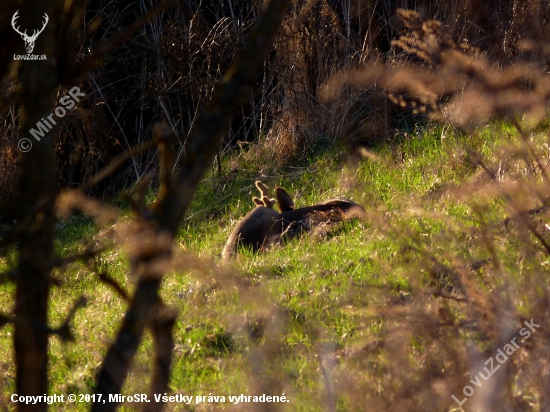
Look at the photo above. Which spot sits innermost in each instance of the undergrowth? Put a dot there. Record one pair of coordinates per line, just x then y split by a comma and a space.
397, 311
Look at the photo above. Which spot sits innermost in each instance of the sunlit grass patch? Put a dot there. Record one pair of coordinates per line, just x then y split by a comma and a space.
360, 307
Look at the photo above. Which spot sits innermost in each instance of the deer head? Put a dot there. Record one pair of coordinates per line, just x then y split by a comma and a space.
29, 40
264, 226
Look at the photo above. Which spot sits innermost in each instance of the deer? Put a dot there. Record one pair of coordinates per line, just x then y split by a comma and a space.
29, 40
264, 226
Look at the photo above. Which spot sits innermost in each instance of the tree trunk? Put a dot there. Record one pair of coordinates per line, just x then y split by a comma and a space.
37, 189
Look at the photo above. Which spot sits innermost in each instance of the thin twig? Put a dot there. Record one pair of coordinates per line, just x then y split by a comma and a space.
172, 205
116, 163
108, 280
95, 59
64, 331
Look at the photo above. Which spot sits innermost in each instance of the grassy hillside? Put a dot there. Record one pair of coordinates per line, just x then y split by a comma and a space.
393, 311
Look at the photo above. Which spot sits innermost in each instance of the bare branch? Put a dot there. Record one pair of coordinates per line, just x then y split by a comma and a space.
108, 280
231, 92
80, 257
161, 328
5, 319
64, 331
116, 163
94, 60
8, 276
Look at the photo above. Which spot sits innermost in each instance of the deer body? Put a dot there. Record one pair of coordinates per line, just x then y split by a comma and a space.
252, 231
264, 226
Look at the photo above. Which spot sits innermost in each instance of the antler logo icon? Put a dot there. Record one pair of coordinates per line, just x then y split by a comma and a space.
29, 40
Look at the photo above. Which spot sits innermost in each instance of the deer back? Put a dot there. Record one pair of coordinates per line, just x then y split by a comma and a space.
293, 222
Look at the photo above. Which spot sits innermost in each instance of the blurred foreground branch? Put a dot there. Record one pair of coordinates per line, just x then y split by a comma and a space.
175, 198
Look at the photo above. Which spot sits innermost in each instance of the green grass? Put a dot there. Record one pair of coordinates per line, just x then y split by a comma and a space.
278, 316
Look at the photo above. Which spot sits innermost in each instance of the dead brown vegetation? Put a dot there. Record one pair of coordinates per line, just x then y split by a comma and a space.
475, 293
168, 72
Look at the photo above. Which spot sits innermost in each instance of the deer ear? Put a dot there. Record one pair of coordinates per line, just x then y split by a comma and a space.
257, 201
284, 201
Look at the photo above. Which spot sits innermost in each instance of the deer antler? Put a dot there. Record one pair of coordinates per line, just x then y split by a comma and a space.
24, 34
265, 200
37, 32
13, 23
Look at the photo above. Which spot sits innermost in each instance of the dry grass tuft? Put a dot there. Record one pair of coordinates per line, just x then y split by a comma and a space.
459, 85
472, 286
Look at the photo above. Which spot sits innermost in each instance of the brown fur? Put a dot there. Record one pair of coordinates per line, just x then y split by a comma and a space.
263, 226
